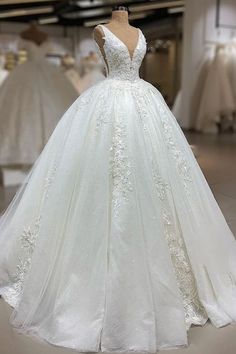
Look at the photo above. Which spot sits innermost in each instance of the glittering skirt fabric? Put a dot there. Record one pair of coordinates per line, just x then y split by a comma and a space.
115, 241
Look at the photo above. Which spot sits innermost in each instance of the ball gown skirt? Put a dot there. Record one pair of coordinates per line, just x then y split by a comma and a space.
115, 242
32, 100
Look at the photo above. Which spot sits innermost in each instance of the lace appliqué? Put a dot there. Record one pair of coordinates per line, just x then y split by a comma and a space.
141, 104
120, 167
161, 185
183, 167
84, 100
232, 280
120, 65
104, 116
28, 240
194, 311
49, 178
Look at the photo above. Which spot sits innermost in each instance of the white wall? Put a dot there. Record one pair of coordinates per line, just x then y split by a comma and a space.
200, 32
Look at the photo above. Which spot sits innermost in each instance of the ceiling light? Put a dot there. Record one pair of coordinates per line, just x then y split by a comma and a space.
155, 6
139, 15
87, 13
94, 3
98, 21
47, 20
176, 10
26, 12
88, 3
17, 2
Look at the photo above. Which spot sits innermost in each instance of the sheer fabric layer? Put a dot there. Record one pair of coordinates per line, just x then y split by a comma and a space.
115, 243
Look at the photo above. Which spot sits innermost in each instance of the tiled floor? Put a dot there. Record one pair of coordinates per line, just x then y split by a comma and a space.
217, 157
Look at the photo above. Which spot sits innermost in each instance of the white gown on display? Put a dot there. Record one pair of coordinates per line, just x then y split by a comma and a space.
232, 75
115, 242
3, 72
74, 77
232, 67
203, 71
92, 76
32, 100
217, 97
177, 106
91, 79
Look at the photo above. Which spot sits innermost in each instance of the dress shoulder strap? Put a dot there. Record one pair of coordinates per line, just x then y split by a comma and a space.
104, 30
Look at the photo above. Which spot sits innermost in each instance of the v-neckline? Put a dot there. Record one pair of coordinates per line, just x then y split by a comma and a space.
127, 49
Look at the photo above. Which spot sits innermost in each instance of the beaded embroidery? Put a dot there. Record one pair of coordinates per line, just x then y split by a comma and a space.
161, 185
118, 59
194, 311
120, 167
103, 117
181, 162
28, 240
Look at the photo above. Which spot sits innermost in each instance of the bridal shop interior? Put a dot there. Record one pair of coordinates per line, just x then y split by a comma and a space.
48, 58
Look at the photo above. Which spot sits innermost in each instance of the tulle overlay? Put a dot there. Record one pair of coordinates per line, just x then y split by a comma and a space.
115, 242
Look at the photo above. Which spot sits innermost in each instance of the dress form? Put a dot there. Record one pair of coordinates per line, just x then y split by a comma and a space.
119, 25
34, 34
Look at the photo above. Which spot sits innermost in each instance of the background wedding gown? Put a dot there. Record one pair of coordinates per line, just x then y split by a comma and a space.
32, 100
217, 97
93, 74
3, 72
115, 242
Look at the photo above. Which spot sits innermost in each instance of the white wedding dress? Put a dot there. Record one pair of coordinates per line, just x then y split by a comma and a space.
115, 242
217, 97
32, 100
3, 72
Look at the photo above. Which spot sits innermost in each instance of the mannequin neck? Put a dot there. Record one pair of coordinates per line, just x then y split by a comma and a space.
121, 17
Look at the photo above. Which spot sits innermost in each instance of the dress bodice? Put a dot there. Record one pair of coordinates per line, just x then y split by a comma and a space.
119, 62
35, 52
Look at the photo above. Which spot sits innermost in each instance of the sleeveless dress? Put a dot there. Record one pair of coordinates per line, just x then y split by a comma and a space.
32, 100
115, 242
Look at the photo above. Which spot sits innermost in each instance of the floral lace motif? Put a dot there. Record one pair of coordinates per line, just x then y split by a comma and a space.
160, 184
120, 167
49, 178
194, 311
84, 99
28, 240
141, 104
183, 167
120, 64
104, 114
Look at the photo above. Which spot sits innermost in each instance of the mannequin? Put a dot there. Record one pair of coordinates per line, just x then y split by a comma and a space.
34, 34
119, 25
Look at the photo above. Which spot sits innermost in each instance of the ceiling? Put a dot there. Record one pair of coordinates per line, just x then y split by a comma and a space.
86, 12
